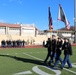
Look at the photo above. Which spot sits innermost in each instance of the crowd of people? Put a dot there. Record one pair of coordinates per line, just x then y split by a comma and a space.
13, 43
55, 47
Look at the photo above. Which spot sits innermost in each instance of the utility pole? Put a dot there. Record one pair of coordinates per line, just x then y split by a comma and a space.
75, 21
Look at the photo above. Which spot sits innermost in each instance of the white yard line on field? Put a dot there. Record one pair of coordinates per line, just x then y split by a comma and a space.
74, 65
42, 60
70, 71
29, 72
40, 72
32, 56
25, 72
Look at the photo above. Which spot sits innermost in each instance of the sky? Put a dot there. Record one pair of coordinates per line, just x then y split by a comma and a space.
36, 12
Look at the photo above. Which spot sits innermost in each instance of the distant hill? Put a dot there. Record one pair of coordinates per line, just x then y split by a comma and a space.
71, 28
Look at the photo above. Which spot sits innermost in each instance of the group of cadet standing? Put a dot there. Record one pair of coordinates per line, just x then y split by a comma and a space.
55, 48
13, 43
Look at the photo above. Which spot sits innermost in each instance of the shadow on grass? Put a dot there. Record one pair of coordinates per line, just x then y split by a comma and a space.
38, 62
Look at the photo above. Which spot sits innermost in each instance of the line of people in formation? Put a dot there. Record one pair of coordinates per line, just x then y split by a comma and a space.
13, 43
55, 48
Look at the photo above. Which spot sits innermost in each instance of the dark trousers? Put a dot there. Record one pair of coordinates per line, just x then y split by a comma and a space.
53, 56
48, 55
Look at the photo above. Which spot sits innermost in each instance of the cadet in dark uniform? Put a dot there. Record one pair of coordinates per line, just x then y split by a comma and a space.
48, 45
53, 49
67, 51
58, 51
3, 43
44, 43
23, 43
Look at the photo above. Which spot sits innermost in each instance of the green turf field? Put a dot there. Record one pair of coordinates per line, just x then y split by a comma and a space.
29, 61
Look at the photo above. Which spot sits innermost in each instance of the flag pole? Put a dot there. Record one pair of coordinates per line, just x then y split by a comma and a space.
50, 21
75, 20
57, 27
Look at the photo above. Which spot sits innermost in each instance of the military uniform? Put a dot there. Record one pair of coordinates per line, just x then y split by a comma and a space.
53, 50
58, 52
67, 51
48, 45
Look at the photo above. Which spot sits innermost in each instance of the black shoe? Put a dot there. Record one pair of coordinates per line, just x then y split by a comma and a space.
52, 66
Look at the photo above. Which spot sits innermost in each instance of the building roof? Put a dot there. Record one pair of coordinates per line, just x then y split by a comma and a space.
71, 28
9, 25
59, 31
30, 25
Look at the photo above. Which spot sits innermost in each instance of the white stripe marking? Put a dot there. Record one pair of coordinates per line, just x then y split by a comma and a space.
74, 66
38, 71
70, 71
42, 60
32, 56
26, 72
58, 72
74, 63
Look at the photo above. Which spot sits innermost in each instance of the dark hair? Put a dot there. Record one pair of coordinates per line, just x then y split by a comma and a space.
53, 35
48, 38
68, 39
59, 38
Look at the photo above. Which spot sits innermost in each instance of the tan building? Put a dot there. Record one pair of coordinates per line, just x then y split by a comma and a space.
30, 33
62, 33
18, 29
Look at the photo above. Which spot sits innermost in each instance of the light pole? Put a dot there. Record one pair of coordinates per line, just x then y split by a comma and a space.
75, 20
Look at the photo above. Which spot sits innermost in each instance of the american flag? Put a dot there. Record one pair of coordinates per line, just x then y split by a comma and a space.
50, 19
62, 17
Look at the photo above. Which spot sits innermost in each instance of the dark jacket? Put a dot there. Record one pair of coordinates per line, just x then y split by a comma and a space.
59, 46
48, 45
53, 44
67, 48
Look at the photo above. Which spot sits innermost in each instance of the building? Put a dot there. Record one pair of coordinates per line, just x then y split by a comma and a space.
62, 33
18, 29
28, 30
30, 33
6, 28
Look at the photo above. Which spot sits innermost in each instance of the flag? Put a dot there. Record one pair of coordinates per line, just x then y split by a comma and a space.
62, 17
50, 19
